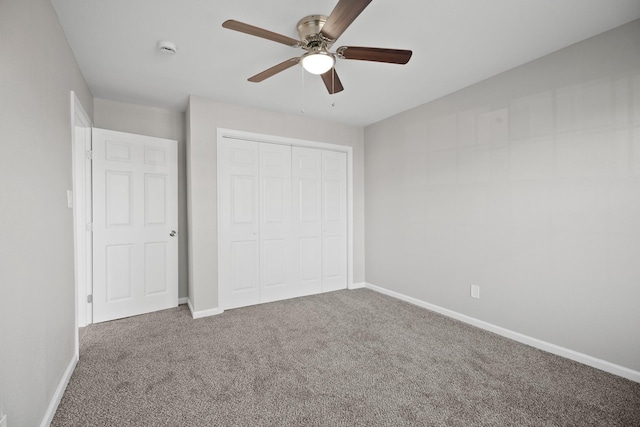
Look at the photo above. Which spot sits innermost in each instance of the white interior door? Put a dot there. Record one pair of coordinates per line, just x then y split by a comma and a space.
306, 201
135, 218
275, 223
334, 221
239, 249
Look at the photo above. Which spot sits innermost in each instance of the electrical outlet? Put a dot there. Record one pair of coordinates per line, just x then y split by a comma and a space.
3, 421
475, 291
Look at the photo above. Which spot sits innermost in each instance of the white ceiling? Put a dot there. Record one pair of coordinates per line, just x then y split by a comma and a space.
455, 43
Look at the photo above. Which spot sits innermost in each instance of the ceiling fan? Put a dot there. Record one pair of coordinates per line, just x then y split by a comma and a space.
317, 35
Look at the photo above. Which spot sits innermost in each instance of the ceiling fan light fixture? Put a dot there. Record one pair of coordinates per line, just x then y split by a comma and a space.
317, 34
318, 61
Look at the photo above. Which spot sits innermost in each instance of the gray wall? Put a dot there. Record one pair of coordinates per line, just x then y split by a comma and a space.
37, 292
528, 185
160, 123
203, 119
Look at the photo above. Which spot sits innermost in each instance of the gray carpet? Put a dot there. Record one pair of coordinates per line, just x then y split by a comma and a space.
339, 359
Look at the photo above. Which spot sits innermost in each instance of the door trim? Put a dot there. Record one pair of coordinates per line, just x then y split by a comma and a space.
81, 172
294, 142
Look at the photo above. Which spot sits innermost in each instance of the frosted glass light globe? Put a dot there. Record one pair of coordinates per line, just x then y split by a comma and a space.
318, 62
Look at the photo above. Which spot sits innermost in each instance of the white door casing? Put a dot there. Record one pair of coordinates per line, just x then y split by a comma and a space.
135, 218
239, 223
334, 221
81, 171
82, 211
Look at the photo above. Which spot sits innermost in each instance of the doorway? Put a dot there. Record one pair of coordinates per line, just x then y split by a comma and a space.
137, 177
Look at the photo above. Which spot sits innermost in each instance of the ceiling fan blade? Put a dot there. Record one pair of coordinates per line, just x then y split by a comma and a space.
259, 32
345, 12
274, 70
376, 54
332, 81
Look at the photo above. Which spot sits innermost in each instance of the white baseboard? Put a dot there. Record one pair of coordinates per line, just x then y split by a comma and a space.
357, 285
203, 313
594, 362
183, 300
57, 396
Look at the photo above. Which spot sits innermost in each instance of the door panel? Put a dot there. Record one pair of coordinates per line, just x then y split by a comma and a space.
307, 219
309, 260
332, 198
244, 274
119, 198
243, 199
119, 271
135, 208
155, 199
275, 222
155, 253
274, 207
332, 254
334, 221
273, 265
239, 245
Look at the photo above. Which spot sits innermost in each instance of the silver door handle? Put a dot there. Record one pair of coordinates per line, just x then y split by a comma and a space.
173, 233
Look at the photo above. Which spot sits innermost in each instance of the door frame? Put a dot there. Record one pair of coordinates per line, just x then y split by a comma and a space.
81, 180
294, 142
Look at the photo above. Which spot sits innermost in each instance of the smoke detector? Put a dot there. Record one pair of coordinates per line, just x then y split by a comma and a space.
167, 47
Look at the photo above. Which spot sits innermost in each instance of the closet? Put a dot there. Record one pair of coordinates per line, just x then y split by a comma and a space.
282, 226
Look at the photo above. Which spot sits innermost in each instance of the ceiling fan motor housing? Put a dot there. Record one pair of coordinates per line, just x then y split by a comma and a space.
309, 29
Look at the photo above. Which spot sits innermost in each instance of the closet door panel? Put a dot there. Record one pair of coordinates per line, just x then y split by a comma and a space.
239, 223
307, 219
334, 221
275, 222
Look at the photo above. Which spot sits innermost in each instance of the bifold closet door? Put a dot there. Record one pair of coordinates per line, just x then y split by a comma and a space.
334, 221
306, 198
283, 222
239, 246
255, 223
275, 223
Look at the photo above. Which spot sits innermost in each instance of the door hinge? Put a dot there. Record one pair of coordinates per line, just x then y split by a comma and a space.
90, 299
89, 154
89, 226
